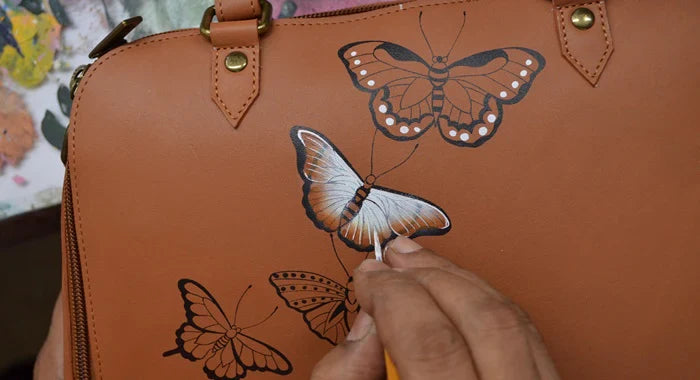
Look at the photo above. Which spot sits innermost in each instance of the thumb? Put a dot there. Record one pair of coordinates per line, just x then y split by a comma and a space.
360, 357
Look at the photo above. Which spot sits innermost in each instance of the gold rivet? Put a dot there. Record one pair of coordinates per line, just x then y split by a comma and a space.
236, 61
582, 18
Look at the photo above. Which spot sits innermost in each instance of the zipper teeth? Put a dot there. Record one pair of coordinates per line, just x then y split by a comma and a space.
78, 318
353, 10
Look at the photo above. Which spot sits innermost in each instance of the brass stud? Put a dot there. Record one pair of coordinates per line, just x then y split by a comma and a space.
583, 18
236, 61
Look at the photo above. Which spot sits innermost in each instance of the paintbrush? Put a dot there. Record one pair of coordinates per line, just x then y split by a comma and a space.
391, 373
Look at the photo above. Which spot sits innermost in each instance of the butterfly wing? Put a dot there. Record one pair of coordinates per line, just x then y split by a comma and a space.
390, 213
320, 300
479, 86
329, 180
397, 78
206, 321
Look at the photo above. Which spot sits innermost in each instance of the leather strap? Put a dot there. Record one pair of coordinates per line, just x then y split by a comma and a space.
235, 92
587, 50
235, 10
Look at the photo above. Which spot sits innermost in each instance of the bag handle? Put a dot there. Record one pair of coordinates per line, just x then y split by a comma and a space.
236, 10
584, 35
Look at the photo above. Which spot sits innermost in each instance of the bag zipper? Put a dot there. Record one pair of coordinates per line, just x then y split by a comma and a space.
80, 345
354, 10
78, 316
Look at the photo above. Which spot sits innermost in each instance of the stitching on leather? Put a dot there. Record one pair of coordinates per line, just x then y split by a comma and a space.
252, 9
220, 3
388, 11
593, 75
74, 180
220, 100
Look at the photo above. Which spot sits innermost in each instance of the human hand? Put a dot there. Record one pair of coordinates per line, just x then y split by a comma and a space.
436, 321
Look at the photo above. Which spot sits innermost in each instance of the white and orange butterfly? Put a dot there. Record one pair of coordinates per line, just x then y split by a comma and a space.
464, 98
228, 352
337, 200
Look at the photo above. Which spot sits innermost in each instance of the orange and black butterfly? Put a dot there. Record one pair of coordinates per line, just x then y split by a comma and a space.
326, 305
227, 352
464, 98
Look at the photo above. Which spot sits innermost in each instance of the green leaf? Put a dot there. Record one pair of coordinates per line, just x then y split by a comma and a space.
59, 12
64, 99
53, 130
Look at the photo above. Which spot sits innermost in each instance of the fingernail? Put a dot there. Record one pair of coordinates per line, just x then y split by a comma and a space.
361, 327
404, 245
370, 265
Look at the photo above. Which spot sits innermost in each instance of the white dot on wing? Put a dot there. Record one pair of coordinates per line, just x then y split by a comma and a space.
503, 94
453, 133
354, 53
404, 129
515, 84
528, 62
464, 136
523, 73
416, 129
483, 131
382, 108
357, 62
390, 121
363, 72
491, 118
370, 82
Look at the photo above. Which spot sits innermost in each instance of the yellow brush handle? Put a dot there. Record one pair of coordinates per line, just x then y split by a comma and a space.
391, 373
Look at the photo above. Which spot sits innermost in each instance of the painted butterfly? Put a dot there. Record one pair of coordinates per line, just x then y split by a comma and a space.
464, 99
325, 304
228, 353
337, 199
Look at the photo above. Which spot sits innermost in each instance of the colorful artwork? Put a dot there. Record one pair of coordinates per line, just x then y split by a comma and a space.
464, 99
17, 133
208, 335
34, 39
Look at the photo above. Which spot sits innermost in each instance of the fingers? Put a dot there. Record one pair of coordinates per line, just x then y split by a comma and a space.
419, 337
49, 362
360, 357
502, 341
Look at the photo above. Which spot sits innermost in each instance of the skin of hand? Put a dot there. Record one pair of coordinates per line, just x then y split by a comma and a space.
436, 321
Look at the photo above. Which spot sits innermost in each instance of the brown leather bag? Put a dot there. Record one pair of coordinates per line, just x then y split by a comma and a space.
200, 163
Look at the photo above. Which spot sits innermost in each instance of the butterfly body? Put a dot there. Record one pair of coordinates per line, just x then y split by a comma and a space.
355, 205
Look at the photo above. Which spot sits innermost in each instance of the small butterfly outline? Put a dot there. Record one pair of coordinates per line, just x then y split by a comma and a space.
464, 99
228, 353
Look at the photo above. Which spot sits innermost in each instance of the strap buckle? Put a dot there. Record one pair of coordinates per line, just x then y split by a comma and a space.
264, 22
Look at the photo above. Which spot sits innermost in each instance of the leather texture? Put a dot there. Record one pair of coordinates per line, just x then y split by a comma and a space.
582, 207
235, 10
587, 50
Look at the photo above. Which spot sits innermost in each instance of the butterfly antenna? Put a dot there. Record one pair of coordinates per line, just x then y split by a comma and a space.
464, 21
371, 154
420, 23
264, 320
235, 313
400, 163
338, 256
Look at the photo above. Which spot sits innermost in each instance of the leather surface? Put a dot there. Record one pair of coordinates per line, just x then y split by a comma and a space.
587, 50
583, 207
234, 10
